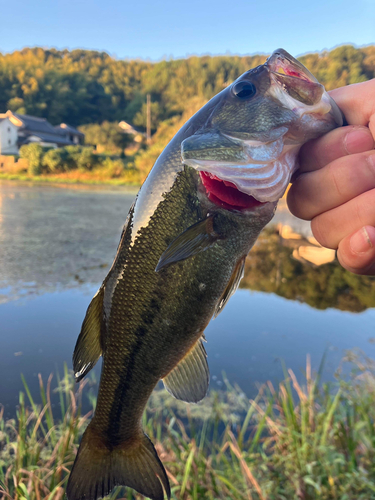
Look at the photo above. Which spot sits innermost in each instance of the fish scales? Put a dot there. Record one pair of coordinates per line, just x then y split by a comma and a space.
141, 341
181, 257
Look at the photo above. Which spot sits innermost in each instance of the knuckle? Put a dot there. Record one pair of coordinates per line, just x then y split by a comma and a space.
334, 173
356, 264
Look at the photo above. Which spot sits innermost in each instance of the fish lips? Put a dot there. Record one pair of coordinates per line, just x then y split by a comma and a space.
299, 82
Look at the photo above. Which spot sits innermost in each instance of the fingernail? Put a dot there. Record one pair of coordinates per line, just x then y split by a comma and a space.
358, 140
360, 242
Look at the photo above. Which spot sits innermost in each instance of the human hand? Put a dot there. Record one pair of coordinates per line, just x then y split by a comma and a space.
335, 185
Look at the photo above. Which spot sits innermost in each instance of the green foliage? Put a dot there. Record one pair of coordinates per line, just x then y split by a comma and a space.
140, 118
87, 88
33, 153
59, 159
295, 441
86, 159
106, 137
82, 86
55, 160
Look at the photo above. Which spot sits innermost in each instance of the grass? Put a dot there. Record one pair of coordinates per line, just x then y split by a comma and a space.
69, 178
295, 441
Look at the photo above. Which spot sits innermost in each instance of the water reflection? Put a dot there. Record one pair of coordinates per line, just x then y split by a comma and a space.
56, 246
272, 268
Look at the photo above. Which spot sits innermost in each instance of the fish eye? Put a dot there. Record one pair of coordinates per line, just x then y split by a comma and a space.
244, 90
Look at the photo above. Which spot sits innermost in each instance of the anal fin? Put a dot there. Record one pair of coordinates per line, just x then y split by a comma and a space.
189, 379
195, 239
232, 286
88, 348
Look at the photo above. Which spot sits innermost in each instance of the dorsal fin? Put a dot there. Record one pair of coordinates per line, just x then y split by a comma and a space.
88, 348
195, 239
232, 286
189, 379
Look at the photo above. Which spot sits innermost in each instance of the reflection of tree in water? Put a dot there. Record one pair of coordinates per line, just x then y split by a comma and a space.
270, 267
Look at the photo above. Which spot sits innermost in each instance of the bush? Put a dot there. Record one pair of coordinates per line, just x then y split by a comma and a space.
55, 160
33, 154
113, 168
87, 160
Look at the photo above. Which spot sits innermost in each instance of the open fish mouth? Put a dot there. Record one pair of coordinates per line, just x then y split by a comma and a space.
226, 194
282, 63
283, 106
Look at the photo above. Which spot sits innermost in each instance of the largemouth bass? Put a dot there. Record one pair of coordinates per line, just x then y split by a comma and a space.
180, 258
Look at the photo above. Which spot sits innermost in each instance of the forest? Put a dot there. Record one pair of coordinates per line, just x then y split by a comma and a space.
87, 88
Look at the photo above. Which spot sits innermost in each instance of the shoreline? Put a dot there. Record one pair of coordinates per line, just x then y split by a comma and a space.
66, 182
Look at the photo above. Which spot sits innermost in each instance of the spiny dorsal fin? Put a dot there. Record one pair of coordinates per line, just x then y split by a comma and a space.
88, 348
232, 286
195, 239
189, 379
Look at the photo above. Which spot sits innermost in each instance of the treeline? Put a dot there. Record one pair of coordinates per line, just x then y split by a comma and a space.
80, 87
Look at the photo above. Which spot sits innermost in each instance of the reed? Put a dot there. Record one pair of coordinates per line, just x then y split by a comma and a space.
295, 441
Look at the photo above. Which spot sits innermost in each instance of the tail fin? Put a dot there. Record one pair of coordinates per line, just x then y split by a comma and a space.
99, 468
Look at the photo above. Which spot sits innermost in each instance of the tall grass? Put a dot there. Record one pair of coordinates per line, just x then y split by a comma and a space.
295, 441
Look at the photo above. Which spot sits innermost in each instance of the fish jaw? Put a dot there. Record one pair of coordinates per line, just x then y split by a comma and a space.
264, 181
296, 88
290, 107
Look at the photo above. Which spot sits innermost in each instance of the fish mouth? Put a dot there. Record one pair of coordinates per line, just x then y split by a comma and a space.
281, 62
226, 194
295, 80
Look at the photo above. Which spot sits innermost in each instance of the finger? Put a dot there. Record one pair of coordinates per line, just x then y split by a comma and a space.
315, 192
329, 228
337, 143
357, 103
357, 252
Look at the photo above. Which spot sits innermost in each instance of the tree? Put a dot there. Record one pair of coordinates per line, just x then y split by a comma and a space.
33, 154
107, 137
55, 160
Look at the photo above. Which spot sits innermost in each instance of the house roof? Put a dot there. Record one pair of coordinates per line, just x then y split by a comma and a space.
40, 127
128, 128
64, 127
33, 123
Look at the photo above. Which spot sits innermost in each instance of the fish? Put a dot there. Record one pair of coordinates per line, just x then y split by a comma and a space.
181, 257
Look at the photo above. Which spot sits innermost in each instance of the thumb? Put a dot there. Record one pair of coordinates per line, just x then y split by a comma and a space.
357, 252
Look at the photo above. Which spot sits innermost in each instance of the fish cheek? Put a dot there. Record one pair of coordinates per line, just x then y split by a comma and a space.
248, 119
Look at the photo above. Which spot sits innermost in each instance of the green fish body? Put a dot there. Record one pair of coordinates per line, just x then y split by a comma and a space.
181, 257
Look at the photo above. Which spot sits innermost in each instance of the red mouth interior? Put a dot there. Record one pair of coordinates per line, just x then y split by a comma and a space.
226, 194
292, 72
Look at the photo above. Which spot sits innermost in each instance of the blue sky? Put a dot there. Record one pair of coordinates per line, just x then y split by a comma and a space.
150, 29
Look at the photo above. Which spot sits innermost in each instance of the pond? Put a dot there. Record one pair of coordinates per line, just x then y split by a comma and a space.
57, 244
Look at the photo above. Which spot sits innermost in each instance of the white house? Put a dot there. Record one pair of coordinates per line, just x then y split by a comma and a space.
8, 137
25, 129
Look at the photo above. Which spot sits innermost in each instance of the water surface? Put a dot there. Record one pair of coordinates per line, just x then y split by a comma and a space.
56, 246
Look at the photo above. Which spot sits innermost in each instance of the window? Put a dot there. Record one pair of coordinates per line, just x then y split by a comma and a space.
9, 141
9, 129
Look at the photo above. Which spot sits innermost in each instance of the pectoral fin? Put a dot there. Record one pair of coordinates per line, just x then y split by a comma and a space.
88, 348
189, 379
195, 239
232, 286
